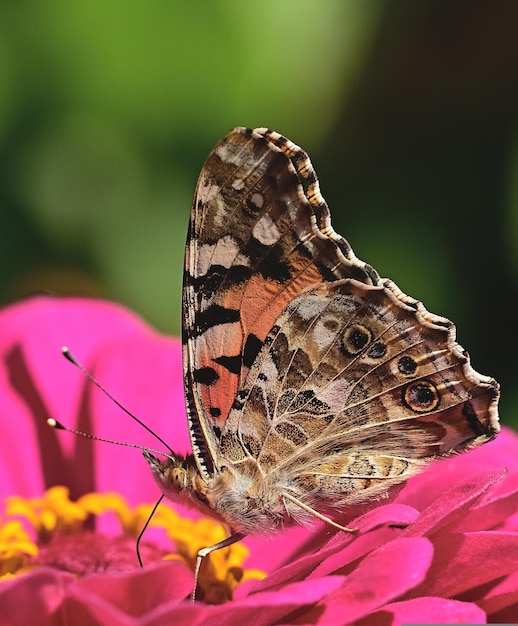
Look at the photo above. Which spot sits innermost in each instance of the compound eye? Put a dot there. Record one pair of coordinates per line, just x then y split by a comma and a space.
176, 478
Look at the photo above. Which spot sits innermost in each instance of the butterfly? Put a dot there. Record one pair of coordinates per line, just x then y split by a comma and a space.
311, 383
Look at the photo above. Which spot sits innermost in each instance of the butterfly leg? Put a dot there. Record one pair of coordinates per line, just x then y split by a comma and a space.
324, 518
228, 541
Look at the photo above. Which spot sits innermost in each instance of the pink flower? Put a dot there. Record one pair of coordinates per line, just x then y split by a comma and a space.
444, 550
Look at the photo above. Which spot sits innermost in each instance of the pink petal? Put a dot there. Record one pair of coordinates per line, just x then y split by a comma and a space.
272, 552
144, 373
382, 576
492, 457
466, 561
501, 602
497, 507
272, 607
265, 609
112, 599
333, 558
426, 610
34, 598
37, 382
327, 549
453, 505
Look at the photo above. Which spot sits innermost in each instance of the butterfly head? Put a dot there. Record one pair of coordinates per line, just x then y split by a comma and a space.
178, 478
171, 474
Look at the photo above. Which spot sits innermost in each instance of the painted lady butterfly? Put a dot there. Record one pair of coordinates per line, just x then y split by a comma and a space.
312, 383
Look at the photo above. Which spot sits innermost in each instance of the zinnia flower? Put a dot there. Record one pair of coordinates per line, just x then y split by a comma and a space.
443, 550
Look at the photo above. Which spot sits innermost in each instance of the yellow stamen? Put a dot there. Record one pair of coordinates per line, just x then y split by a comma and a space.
222, 570
56, 514
131, 520
16, 548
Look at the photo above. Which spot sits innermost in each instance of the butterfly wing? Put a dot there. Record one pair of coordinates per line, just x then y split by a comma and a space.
260, 234
298, 356
355, 389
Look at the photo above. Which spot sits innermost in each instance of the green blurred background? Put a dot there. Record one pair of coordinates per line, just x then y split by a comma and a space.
408, 110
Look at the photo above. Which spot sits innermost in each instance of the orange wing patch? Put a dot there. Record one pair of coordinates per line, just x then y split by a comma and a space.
256, 241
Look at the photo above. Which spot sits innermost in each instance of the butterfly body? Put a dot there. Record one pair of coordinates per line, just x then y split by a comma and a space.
245, 500
312, 383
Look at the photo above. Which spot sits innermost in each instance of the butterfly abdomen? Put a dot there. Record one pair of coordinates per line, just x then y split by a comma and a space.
252, 503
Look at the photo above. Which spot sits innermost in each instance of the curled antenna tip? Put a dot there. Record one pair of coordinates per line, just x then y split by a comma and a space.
68, 355
55, 424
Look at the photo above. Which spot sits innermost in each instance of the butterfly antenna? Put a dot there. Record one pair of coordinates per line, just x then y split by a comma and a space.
70, 357
141, 534
53, 423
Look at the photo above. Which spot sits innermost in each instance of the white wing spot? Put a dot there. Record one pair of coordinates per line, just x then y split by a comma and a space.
207, 191
228, 154
257, 200
222, 253
266, 232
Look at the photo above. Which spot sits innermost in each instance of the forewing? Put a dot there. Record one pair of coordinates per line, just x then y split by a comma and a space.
259, 235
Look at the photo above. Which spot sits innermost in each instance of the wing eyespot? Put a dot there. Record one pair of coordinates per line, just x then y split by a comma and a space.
407, 365
421, 396
355, 339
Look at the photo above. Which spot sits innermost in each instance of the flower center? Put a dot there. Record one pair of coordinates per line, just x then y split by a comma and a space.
56, 532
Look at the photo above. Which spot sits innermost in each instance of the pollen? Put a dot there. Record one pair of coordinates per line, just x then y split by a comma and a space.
56, 531
53, 513
16, 549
